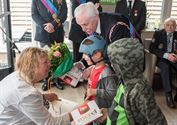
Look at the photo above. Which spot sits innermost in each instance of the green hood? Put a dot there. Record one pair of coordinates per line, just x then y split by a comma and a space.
127, 58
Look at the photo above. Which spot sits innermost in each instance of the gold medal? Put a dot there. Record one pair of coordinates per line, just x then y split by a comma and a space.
55, 17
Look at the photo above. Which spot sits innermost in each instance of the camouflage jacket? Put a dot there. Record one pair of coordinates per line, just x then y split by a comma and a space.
127, 58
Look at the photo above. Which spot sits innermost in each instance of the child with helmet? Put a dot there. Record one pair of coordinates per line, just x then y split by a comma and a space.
102, 82
134, 103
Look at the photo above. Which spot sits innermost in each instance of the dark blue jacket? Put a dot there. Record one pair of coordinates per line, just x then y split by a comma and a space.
137, 14
158, 45
41, 15
107, 21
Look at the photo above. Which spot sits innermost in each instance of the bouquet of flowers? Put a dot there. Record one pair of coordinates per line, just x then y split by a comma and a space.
61, 59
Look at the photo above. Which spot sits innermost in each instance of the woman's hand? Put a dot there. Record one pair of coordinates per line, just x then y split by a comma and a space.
51, 97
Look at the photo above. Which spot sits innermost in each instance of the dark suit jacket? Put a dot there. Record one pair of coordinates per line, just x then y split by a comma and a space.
158, 45
41, 15
137, 15
107, 21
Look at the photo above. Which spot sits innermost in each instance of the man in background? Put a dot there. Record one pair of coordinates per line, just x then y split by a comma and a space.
49, 28
164, 45
135, 10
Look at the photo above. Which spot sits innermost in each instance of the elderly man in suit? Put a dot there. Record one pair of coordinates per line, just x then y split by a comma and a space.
164, 45
76, 35
109, 25
135, 10
89, 21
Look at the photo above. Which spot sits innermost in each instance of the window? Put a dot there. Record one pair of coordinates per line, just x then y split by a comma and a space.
21, 14
154, 8
20, 17
174, 9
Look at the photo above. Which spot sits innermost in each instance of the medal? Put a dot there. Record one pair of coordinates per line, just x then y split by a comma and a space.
55, 17
136, 13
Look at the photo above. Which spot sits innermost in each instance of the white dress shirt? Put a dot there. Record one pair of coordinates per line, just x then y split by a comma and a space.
22, 104
132, 2
98, 29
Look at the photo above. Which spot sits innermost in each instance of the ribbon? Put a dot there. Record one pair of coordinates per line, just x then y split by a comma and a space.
81, 1
50, 7
132, 30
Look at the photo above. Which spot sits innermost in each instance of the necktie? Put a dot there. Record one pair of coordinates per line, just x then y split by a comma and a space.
129, 6
169, 42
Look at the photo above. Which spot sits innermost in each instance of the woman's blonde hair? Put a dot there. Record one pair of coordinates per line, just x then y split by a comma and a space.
28, 62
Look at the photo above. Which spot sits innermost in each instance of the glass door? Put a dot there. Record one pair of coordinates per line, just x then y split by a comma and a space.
6, 52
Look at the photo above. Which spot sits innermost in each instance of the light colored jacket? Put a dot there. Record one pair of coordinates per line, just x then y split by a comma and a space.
22, 104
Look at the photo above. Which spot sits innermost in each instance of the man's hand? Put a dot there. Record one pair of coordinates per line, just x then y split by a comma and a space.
51, 97
49, 27
90, 92
172, 57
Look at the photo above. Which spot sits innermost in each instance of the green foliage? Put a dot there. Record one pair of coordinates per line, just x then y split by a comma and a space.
58, 52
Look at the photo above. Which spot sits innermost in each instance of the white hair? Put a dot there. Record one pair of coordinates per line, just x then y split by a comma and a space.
170, 20
88, 9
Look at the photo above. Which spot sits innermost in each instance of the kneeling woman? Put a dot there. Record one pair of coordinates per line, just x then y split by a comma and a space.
20, 102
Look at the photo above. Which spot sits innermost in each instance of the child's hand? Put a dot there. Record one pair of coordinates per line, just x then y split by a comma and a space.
90, 92
51, 97
100, 120
87, 72
79, 65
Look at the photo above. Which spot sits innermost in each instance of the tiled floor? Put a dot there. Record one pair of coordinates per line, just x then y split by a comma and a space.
70, 98
74, 96
170, 114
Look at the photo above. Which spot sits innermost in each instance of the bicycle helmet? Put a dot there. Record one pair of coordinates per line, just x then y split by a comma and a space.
92, 44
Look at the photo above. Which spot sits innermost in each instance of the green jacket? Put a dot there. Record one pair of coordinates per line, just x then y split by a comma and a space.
127, 58
119, 117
